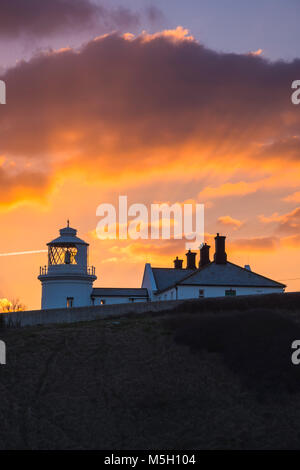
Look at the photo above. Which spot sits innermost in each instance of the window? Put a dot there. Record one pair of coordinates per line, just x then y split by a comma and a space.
102, 302
201, 293
70, 302
62, 254
231, 292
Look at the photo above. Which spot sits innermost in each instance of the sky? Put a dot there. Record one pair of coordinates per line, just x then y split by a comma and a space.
163, 102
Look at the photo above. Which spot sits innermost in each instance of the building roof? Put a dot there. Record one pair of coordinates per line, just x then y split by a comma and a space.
167, 277
213, 274
67, 236
119, 292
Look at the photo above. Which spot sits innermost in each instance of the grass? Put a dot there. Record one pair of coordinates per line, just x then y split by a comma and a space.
255, 344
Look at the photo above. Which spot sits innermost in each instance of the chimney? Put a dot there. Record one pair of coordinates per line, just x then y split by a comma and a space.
190, 260
178, 263
220, 254
204, 255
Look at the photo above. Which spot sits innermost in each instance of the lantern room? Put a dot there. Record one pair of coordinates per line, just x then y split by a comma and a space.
68, 251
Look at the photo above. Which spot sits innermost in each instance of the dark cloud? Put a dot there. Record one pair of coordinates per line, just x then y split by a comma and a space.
154, 14
125, 106
26, 185
44, 17
287, 149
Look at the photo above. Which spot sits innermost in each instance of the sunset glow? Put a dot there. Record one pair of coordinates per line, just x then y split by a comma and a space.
158, 116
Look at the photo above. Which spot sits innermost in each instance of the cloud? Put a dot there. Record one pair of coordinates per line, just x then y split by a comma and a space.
154, 14
173, 35
229, 221
256, 53
44, 17
272, 218
240, 188
288, 223
288, 148
293, 241
22, 187
254, 244
160, 252
294, 197
128, 110
163, 252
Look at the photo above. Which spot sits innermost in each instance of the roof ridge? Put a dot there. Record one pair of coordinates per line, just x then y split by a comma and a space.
256, 274
119, 288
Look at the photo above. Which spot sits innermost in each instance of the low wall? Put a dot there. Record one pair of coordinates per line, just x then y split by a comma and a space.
289, 301
77, 314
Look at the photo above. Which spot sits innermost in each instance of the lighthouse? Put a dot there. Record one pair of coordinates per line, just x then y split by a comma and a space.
67, 281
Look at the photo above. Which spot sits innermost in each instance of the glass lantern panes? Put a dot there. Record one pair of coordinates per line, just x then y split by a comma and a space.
62, 254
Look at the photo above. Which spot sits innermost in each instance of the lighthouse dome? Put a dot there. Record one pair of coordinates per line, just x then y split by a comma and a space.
67, 235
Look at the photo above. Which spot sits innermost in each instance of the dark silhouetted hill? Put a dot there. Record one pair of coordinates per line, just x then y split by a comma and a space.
209, 374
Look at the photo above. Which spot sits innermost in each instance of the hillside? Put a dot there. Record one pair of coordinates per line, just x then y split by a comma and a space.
208, 374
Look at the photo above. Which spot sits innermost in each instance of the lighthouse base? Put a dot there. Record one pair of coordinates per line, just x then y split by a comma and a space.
66, 293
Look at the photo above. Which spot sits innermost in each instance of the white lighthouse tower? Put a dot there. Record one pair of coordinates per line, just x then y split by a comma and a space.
67, 281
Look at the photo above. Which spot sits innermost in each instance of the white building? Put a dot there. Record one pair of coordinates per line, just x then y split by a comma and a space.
67, 281
211, 279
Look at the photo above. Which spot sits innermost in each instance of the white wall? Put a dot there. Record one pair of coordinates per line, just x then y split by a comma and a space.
168, 295
149, 281
192, 292
55, 293
117, 300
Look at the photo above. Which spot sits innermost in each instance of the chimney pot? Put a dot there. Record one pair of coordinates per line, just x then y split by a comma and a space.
178, 263
204, 255
191, 260
220, 256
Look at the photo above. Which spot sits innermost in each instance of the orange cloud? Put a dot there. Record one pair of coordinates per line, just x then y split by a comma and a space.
295, 197
287, 223
157, 117
272, 218
258, 244
229, 189
227, 220
178, 34
257, 52
293, 241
